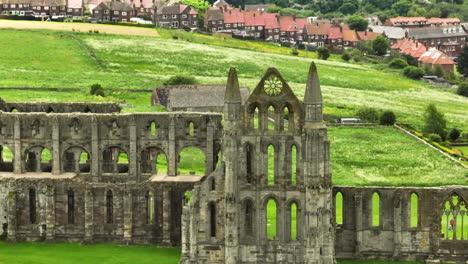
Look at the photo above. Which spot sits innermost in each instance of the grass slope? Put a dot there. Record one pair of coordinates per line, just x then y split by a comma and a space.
144, 62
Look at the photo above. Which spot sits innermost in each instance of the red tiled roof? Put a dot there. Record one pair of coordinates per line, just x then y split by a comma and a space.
75, 4
253, 18
317, 29
367, 35
410, 47
301, 22
271, 20
400, 19
233, 16
350, 35
335, 33
287, 23
444, 21
434, 56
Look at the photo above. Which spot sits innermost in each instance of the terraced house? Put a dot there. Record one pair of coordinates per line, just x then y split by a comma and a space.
177, 16
114, 11
42, 8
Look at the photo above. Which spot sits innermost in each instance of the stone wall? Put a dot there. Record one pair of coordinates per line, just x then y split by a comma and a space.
394, 237
51, 107
95, 156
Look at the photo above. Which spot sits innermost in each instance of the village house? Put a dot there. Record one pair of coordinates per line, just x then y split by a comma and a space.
413, 22
449, 39
233, 20
350, 38
259, 8
424, 55
335, 38
75, 8
214, 19
16, 7
291, 29
177, 16
113, 11
272, 27
316, 34
392, 33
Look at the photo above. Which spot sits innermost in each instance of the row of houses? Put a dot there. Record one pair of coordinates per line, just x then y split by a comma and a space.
42, 8
424, 55
413, 22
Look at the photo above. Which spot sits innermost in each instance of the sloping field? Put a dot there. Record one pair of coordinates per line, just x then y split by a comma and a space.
79, 27
40, 58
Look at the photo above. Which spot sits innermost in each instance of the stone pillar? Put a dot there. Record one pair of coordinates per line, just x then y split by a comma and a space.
55, 146
50, 213
89, 211
209, 155
128, 217
282, 168
133, 168
18, 161
358, 228
166, 215
397, 223
12, 217
172, 155
95, 148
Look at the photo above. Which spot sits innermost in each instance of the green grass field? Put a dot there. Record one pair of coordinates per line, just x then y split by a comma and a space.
38, 253
144, 62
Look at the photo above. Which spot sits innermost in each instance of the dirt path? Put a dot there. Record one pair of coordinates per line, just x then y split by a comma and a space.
81, 27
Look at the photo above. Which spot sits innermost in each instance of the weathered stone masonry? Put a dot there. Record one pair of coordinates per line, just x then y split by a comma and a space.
87, 168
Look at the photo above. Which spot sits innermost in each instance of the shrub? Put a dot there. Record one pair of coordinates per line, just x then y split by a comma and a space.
428, 70
435, 138
439, 71
345, 56
96, 89
413, 72
387, 118
463, 89
435, 122
454, 134
294, 51
368, 114
323, 52
180, 79
397, 63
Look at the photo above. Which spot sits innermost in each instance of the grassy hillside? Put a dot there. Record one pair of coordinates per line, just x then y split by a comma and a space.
53, 59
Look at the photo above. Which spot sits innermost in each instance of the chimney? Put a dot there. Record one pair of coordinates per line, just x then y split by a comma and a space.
406, 34
294, 17
417, 44
365, 33
254, 14
229, 11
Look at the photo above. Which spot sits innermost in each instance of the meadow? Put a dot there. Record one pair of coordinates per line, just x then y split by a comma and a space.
138, 62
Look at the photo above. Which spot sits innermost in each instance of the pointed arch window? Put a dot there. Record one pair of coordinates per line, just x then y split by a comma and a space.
339, 208
249, 162
109, 207
454, 222
212, 214
271, 217
414, 200
256, 119
153, 129
375, 209
271, 118
248, 217
293, 164
271, 164
149, 207
293, 221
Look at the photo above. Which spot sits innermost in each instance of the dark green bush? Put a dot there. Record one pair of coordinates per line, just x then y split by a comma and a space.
397, 63
463, 89
96, 89
413, 72
387, 118
345, 56
323, 52
435, 138
180, 79
454, 134
368, 115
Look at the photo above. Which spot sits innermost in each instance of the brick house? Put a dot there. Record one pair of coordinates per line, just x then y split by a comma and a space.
316, 34
350, 38
449, 39
291, 28
406, 22
272, 27
46, 8
144, 7
114, 11
75, 8
335, 38
433, 57
214, 19
233, 20
177, 16
16, 7
255, 24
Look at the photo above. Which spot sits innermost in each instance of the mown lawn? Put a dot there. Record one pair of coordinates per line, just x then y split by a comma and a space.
144, 62
39, 253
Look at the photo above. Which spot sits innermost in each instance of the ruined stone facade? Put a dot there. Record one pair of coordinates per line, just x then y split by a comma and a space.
73, 176
227, 219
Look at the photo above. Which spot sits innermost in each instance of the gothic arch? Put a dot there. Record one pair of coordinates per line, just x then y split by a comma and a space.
113, 160
153, 160
76, 159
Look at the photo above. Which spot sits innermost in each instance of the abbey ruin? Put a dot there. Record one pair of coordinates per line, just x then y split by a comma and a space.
265, 196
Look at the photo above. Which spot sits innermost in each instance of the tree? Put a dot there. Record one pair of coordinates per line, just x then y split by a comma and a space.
380, 45
416, 11
434, 121
463, 89
323, 52
462, 64
180, 79
454, 134
413, 72
199, 5
345, 56
368, 115
348, 8
96, 89
356, 22
387, 118
402, 7
273, 9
